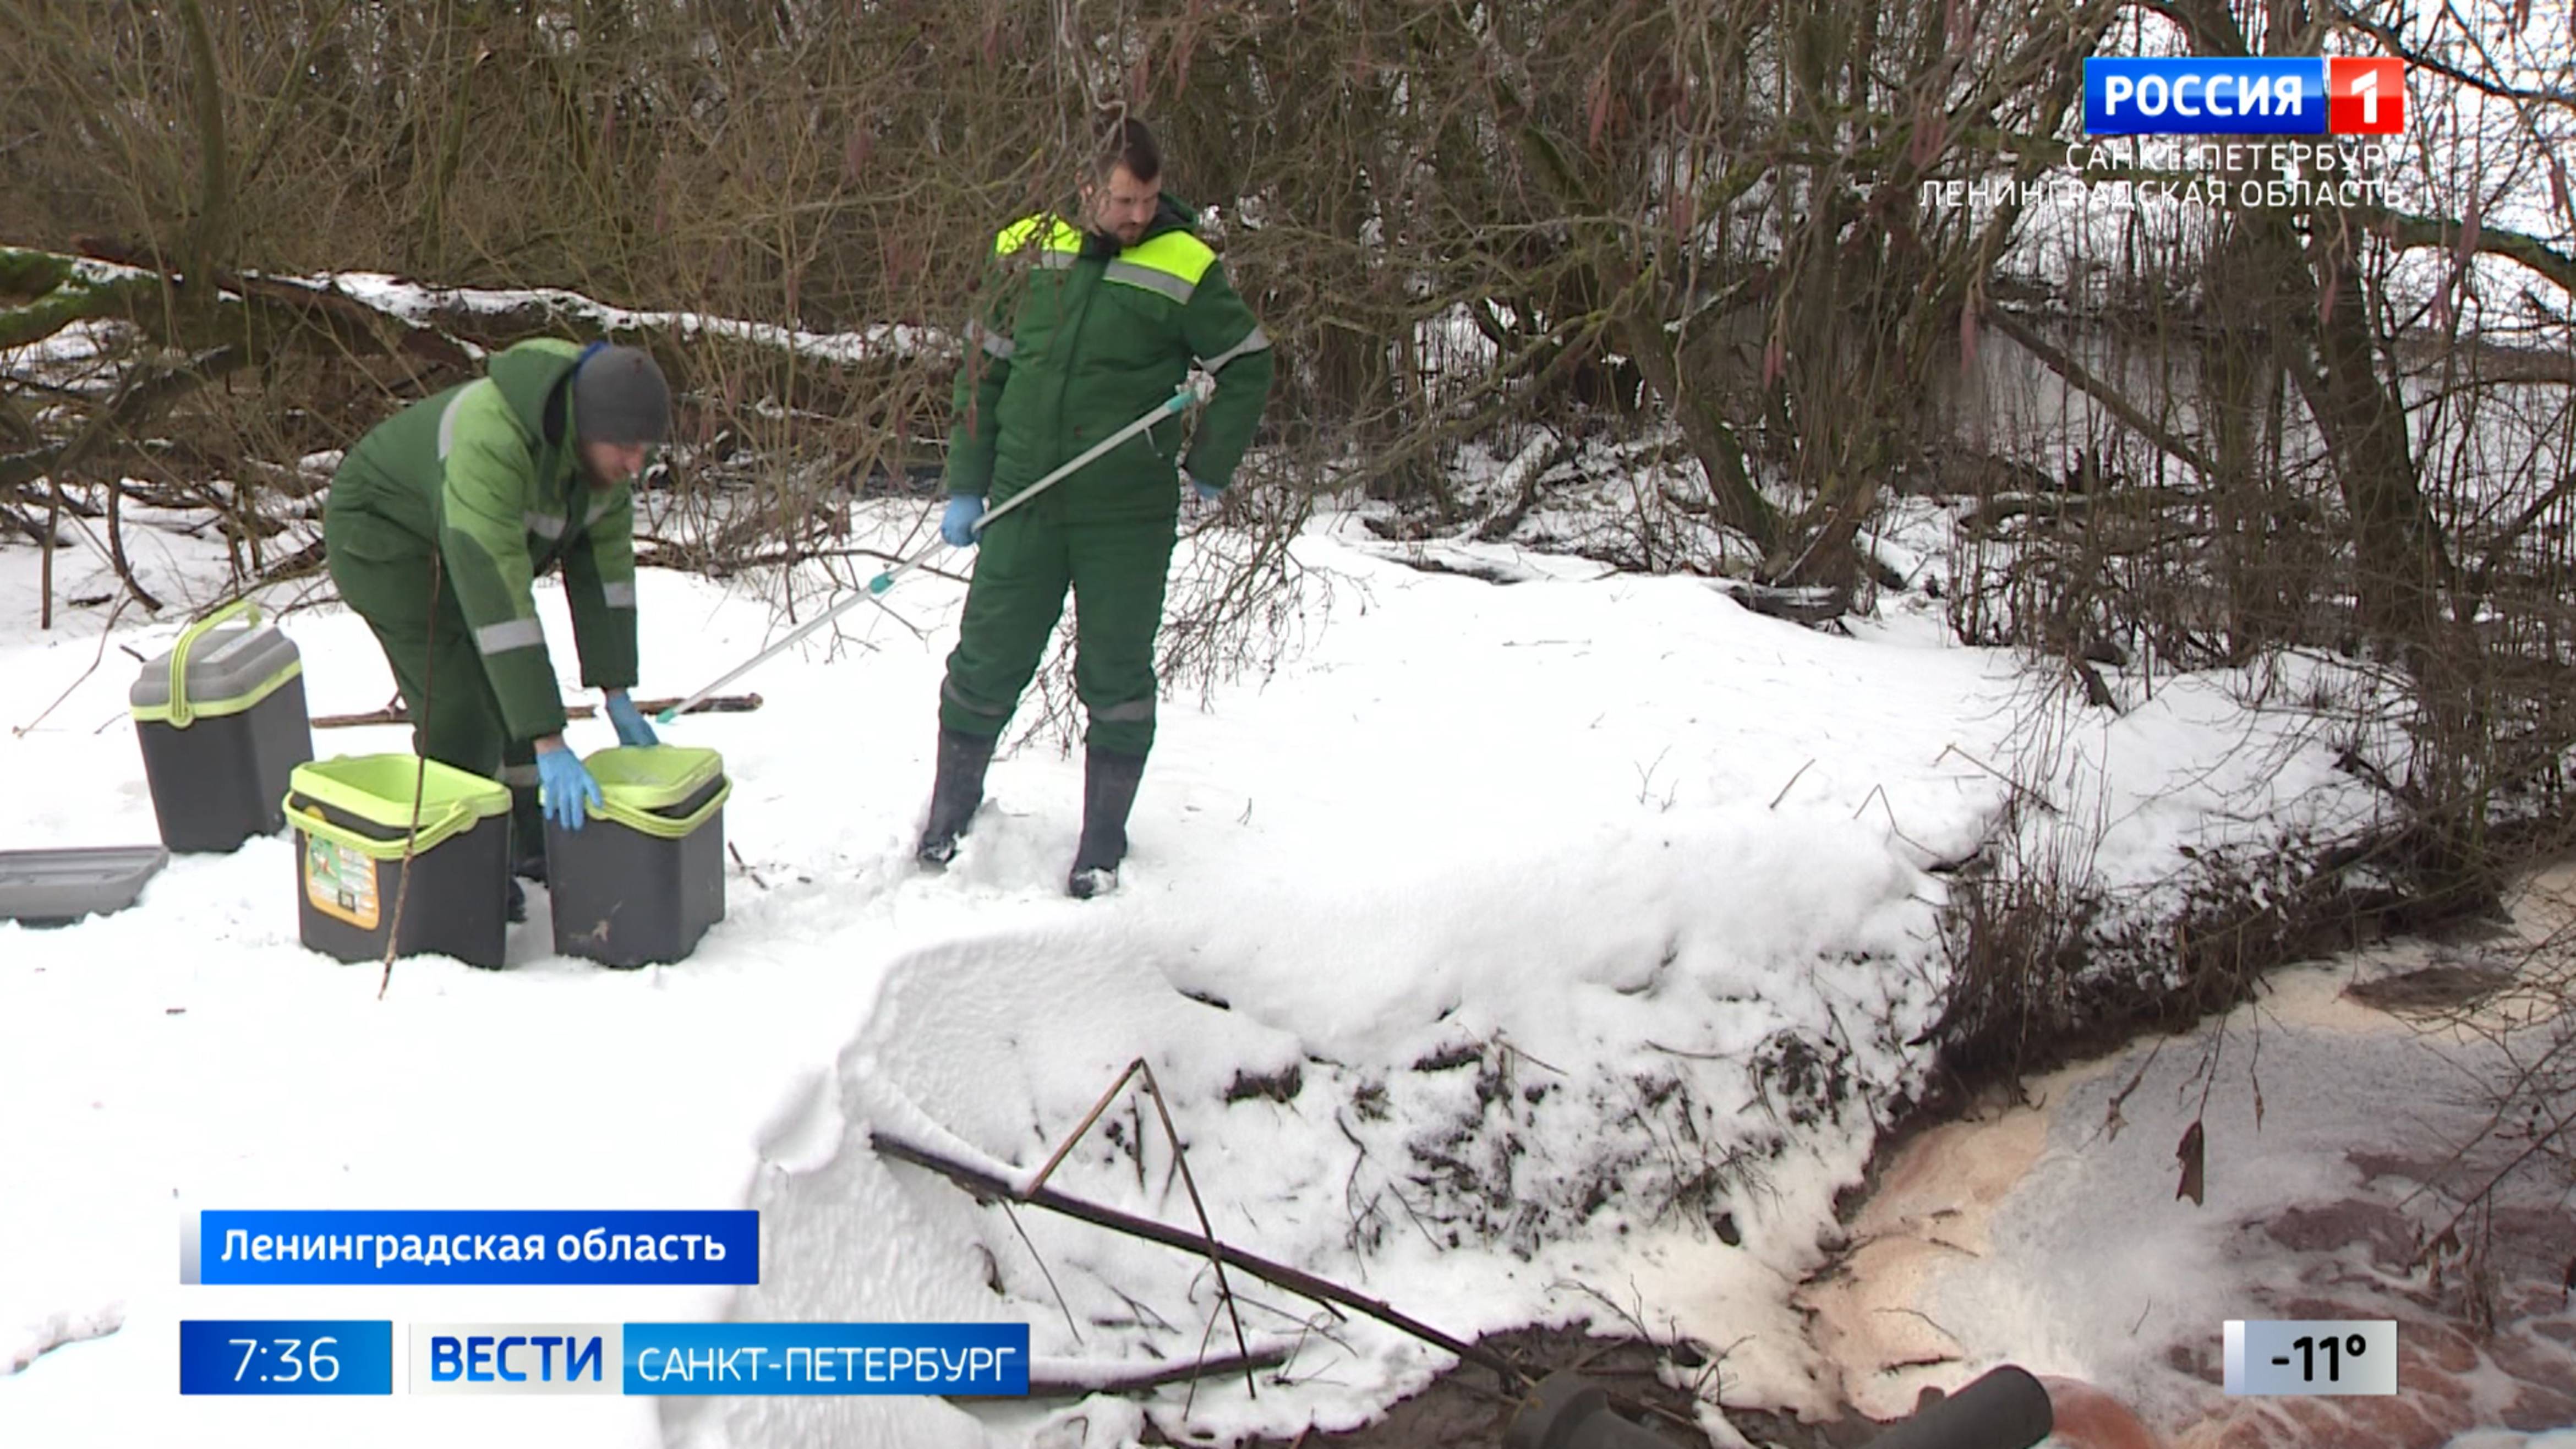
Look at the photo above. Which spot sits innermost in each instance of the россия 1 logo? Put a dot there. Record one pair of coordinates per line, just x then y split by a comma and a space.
2270, 96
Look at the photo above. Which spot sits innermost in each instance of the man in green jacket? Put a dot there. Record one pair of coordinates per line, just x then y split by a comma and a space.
440, 520
1081, 331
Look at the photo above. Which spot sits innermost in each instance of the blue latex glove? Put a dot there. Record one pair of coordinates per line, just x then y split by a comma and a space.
1202, 500
564, 784
632, 731
957, 525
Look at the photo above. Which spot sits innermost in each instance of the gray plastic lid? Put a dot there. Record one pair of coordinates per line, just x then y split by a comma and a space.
224, 665
63, 885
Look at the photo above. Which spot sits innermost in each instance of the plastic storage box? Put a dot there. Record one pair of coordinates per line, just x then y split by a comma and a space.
222, 724
643, 879
353, 817
58, 887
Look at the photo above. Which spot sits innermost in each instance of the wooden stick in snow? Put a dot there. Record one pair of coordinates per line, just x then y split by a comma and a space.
1074, 1386
990, 1188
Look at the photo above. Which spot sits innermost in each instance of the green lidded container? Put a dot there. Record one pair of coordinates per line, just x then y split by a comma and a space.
353, 819
222, 724
643, 879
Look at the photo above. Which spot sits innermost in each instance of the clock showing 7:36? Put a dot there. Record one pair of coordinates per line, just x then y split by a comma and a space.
286, 1356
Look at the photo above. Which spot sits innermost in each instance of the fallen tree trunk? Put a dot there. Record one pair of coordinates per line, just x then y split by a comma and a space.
448, 329
43, 292
1803, 604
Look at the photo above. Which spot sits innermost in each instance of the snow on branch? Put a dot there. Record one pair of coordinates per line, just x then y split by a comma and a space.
472, 311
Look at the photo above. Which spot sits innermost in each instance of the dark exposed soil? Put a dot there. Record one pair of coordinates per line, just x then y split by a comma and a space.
1466, 1408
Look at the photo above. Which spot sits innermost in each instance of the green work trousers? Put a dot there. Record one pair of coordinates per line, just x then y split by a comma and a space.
385, 577
1024, 562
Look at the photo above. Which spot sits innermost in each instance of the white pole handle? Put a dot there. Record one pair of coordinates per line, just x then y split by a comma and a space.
1197, 390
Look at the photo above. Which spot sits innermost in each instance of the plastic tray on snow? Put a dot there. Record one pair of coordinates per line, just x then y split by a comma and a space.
58, 887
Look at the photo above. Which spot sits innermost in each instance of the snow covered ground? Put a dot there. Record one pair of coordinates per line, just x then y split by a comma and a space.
1539, 951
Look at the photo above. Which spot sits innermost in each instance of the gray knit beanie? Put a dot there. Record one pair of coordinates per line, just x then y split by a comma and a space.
619, 396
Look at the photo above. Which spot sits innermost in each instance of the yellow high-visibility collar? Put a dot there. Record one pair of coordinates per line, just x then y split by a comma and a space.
1170, 263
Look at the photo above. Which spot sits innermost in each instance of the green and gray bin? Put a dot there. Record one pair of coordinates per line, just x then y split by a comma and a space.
643, 879
353, 823
222, 724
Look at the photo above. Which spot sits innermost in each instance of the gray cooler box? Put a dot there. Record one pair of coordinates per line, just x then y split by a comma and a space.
222, 723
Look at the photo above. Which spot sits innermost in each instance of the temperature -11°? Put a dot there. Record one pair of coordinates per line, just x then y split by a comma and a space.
2293, 1356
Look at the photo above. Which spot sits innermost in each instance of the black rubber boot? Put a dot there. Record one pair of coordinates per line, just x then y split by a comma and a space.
1109, 782
518, 903
955, 795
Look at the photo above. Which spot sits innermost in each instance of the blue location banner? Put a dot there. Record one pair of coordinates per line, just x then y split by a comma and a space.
286, 1356
2171, 96
475, 1247
981, 1359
